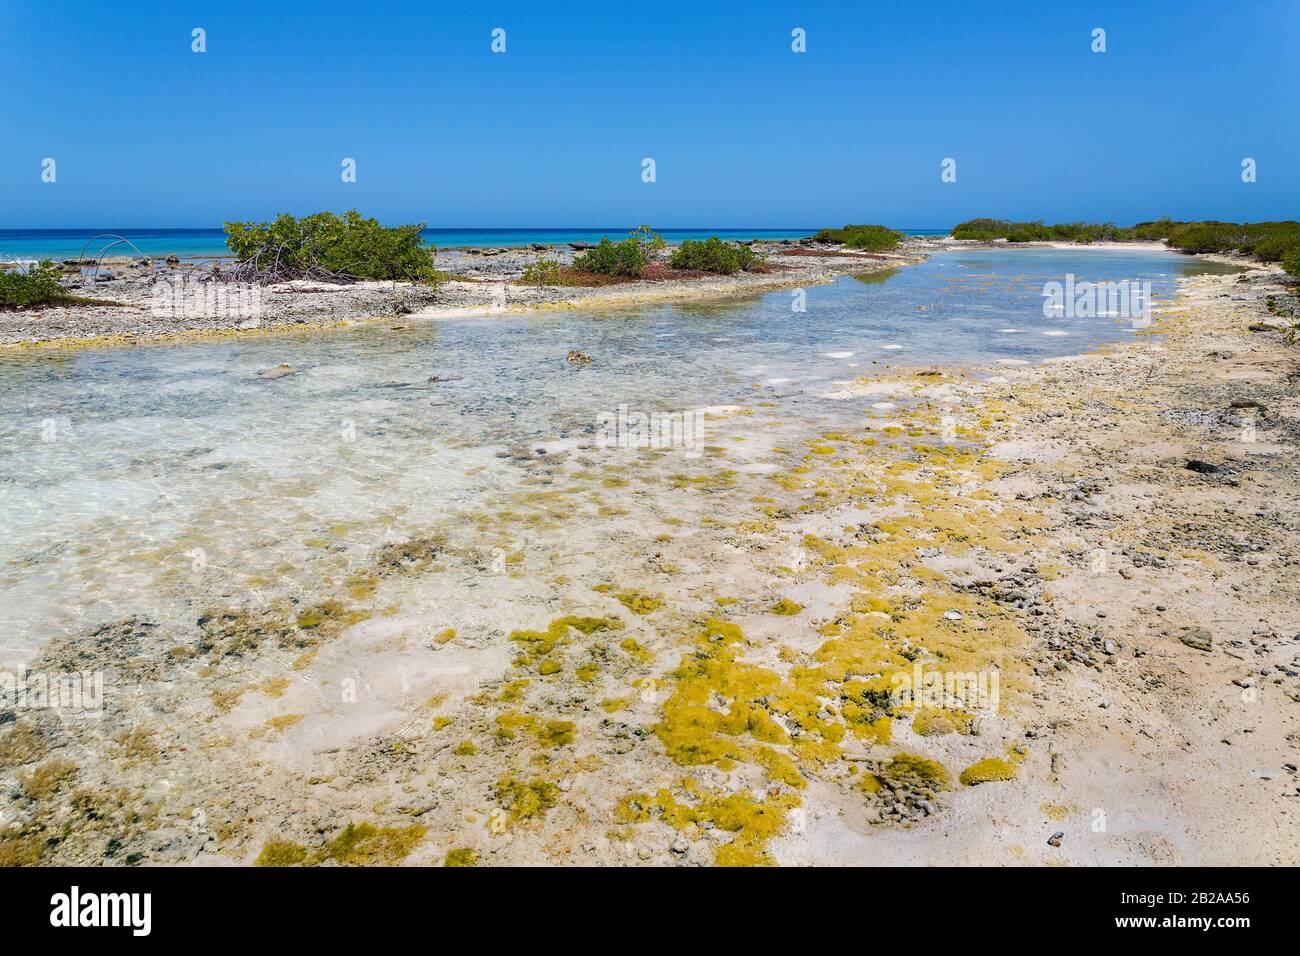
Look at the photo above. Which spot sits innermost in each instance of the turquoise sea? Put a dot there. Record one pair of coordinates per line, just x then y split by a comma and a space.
206, 243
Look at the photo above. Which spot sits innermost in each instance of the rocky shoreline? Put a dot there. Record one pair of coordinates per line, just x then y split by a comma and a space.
1116, 536
165, 299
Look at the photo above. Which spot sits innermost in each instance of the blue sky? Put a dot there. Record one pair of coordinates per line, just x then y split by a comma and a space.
744, 132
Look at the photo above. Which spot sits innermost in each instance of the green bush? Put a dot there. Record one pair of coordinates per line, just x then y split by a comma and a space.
626, 258
869, 238
346, 245
651, 241
714, 255
1291, 262
1268, 241
38, 285
543, 271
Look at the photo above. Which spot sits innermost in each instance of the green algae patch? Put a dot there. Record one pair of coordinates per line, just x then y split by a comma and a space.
917, 771
461, 856
785, 608
281, 853
987, 771
466, 748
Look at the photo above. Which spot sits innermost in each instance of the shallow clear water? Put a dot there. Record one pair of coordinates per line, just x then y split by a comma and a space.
151, 480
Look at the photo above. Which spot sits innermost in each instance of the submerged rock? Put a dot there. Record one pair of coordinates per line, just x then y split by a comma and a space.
280, 371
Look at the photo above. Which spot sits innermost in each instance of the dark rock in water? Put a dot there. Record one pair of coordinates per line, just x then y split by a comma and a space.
1202, 467
444, 377
580, 246
578, 358
539, 247
1197, 638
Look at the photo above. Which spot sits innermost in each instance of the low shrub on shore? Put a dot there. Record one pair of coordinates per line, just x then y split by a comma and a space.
714, 255
989, 229
543, 271
1267, 241
867, 238
330, 247
37, 285
628, 257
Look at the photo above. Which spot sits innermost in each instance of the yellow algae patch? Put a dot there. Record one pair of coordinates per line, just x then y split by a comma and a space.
276, 725
935, 722
466, 748
364, 844
361, 844
636, 650
44, 780
721, 709
915, 770
513, 691
639, 603
461, 856
612, 705
754, 822
549, 733
274, 686
281, 853
987, 771
525, 799
538, 645
785, 607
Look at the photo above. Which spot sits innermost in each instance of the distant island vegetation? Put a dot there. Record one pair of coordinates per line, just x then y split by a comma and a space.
1267, 241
